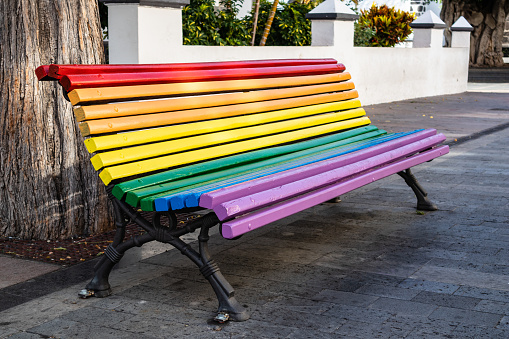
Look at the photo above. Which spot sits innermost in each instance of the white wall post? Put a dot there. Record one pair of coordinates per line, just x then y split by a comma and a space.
428, 31
461, 30
332, 24
138, 29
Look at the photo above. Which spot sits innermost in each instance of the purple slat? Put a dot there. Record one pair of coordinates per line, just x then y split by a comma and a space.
255, 220
306, 183
214, 198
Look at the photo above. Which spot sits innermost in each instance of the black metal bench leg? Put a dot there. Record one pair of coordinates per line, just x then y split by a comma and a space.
423, 203
229, 308
99, 286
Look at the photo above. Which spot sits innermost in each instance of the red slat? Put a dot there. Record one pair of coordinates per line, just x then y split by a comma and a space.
73, 81
57, 71
42, 73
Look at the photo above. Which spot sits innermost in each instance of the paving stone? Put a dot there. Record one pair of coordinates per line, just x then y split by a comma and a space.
477, 331
311, 306
159, 310
345, 298
466, 316
387, 291
290, 290
358, 329
483, 293
413, 322
199, 297
431, 331
375, 278
258, 329
63, 328
490, 306
326, 322
456, 264
98, 316
448, 300
458, 276
426, 285
346, 312
300, 333
6, 330
271, 253
504, 323
402, 306
25, 335
145, 325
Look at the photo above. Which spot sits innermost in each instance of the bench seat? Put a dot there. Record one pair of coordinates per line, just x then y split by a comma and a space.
251, 141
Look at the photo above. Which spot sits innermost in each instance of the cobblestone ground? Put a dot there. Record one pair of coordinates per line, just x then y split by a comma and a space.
368, 267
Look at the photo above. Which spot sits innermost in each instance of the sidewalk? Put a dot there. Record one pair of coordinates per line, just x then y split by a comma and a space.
367, 267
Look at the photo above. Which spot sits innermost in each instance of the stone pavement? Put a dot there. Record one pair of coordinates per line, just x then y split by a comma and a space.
370, 266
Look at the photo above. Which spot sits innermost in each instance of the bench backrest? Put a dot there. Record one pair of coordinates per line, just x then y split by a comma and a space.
141, 119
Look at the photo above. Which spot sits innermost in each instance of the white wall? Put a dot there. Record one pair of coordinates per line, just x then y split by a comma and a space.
380, 74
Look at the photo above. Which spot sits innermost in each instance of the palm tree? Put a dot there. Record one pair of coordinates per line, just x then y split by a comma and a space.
268, 24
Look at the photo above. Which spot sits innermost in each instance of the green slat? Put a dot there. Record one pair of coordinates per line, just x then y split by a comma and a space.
121, 189
147, 196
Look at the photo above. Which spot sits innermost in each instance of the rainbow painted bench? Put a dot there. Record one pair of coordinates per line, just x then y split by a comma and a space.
250, 141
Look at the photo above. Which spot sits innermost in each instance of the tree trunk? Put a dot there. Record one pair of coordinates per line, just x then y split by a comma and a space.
255, 21
268, 24
488, 20
48, 188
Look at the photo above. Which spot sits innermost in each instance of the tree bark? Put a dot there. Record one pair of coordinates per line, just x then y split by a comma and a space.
48, 188
488, 20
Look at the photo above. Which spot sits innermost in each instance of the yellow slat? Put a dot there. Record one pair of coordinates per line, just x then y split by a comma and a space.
84, 95
144, 166
112, 125
101, 143
206, 140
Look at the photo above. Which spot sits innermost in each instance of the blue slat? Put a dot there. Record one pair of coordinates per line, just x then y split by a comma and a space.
190, 198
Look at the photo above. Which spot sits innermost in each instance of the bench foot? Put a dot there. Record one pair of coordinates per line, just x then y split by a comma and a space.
229, 308
99, 286
423, 203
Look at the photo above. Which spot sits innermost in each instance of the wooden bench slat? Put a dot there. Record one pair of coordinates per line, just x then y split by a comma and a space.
326, 175
42, 73
126, 170
102, 143
356, 134
74, 81
119, 93
133, 138
305, 117
57, 71
190, 196
236, 227
112, 125
123, 109
229, 193
220, 173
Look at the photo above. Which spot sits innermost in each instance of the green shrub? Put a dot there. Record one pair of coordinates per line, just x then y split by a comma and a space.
203, 25
362, 35
290, 26
391, 26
